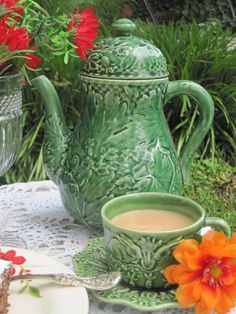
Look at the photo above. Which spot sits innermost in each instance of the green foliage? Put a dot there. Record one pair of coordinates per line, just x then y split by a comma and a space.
198, 10
107, 10
204, 10
200, 54
49, 31
213, 185
34, 291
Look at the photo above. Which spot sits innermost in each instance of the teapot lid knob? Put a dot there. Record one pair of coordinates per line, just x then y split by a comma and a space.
123, 27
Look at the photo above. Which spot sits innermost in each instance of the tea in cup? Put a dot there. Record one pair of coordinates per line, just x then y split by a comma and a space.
141, 230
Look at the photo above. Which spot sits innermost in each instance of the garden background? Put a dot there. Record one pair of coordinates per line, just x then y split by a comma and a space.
198, 39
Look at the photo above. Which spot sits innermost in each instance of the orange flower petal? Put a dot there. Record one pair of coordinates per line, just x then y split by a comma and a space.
210, 296
215, 237
233, 240
193, 290
181, 297
188, 294
213, 250
180, 274
233, 270
213, 243
197, 288
229, 251
228, 279
228, 261
231, 290
225, 303
199, 309
188, 276
169, 274
187, 253
194, 262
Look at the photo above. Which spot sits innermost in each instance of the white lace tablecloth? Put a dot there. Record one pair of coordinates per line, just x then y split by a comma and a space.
34, 212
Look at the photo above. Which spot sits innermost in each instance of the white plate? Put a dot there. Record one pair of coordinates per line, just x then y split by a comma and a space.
55, 299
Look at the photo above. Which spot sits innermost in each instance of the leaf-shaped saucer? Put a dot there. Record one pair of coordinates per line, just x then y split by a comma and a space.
92, 261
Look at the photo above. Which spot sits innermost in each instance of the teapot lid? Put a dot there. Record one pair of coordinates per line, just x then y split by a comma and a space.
125, 56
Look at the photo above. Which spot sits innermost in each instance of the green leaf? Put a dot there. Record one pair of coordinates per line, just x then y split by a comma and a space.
58, 53
34, 291
66, 57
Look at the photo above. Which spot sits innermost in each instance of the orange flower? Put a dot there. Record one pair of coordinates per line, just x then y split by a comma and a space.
206, 273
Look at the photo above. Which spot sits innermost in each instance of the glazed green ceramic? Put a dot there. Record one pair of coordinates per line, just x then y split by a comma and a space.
122, 143
92, 261
141, 256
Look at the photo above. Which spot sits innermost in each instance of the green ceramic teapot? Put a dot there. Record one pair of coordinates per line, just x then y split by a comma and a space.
122, 142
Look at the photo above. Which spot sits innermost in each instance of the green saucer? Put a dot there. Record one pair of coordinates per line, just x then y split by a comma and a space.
92, 261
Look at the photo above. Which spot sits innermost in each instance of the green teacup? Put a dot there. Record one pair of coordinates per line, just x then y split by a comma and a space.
141, 256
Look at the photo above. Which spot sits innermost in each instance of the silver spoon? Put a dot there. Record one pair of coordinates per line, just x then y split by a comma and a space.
101, 282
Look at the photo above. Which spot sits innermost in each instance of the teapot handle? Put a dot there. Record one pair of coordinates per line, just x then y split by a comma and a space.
206, 108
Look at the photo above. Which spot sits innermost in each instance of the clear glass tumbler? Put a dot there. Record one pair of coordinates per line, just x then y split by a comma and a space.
11, 128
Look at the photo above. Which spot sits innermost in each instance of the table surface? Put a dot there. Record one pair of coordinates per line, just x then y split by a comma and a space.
34, 213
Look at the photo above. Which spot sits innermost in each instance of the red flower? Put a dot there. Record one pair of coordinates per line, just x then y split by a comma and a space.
8, 3
3, 32
85, 32
11, 256
18, 38
15, 38
32, 61
11, 5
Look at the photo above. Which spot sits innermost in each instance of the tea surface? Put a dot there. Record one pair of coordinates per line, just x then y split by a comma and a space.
152, 220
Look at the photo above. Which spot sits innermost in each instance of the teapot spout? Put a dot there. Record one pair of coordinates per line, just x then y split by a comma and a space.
56, 134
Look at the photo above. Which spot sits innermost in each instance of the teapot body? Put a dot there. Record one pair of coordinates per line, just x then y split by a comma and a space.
122, 144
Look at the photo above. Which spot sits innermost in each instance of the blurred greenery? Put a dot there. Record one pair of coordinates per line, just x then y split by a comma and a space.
107, 10
213, 185
189, 10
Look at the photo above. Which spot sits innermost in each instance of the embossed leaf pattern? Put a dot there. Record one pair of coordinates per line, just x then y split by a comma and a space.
123, 246
56, 139
119, 57
148, 245
121, 145
135, 258
141, 261
91, 261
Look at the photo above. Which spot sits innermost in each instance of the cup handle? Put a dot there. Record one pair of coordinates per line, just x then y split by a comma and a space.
218, 222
